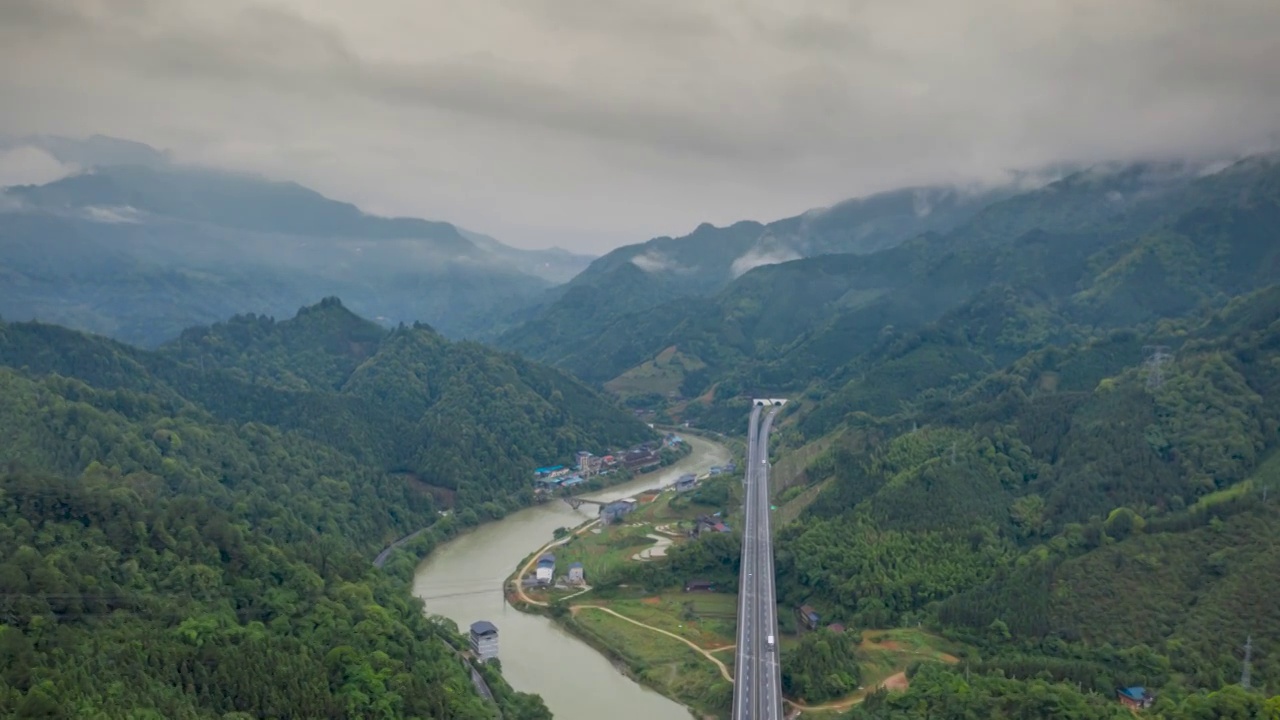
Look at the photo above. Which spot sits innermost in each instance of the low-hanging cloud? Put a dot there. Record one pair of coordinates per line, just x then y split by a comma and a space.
652, 261
28, 165
113, 215
589, 122
758, 256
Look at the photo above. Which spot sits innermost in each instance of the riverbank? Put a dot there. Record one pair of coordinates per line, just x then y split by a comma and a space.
614, 478
679, 644
676, 642
464, 580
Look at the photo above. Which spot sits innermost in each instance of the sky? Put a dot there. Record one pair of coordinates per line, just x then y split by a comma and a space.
588, 124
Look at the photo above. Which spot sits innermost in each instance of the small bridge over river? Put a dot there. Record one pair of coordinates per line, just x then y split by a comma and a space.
577, 502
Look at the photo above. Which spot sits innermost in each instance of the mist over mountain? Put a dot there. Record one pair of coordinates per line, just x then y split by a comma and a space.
1048, 433
295, 293
1063, 258
634, 278
979, 440
578, 318
93, 151
140, 251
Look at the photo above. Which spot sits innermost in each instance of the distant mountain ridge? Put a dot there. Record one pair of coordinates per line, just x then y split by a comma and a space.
231, 200
584, 325
141, 250
93, 151
1108, 247
635, 278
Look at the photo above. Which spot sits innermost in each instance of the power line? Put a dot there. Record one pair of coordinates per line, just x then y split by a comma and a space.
1248, 657
1155, 358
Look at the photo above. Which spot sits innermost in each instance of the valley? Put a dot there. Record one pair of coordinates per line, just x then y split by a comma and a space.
1017, 433
564, 359
1029, 461
464, 581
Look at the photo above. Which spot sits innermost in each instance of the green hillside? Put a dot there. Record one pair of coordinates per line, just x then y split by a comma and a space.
1058, 448
623, 286
189, 533
1076, 517
1058, 265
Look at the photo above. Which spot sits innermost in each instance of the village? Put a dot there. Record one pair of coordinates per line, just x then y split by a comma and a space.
554, 480
609, 582
639, 528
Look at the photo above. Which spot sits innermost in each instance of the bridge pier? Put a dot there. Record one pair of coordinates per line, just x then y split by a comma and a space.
577, 502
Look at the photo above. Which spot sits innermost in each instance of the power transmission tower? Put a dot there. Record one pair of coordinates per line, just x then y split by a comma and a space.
1155, 358
1244, 669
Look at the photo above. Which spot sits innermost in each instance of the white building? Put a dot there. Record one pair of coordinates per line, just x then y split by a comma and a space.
546, 568
484, 640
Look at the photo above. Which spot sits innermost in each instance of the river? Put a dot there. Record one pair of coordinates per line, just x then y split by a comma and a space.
462, 580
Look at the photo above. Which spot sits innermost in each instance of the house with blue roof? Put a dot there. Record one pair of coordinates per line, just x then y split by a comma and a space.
613, 512
546, 569
1135, 697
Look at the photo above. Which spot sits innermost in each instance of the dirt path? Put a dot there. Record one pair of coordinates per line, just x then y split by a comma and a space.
657, 550
533, 559
724, 671
524, 597
381, 560
896, 682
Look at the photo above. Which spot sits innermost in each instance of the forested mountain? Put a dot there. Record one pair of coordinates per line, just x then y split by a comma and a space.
668, 277
88, 152
1083, 519
188, 533
634, 279
1074, 470
140, 251
1050, 434
1090, 251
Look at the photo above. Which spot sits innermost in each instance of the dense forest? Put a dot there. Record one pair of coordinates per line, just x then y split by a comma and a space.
188, 533
1098, 250
822, 666
1097, 513
938, 693
1049, 434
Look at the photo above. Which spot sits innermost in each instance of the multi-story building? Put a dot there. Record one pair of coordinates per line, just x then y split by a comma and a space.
484, 640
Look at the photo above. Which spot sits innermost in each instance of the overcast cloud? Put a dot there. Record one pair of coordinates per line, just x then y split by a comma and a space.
592, 123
